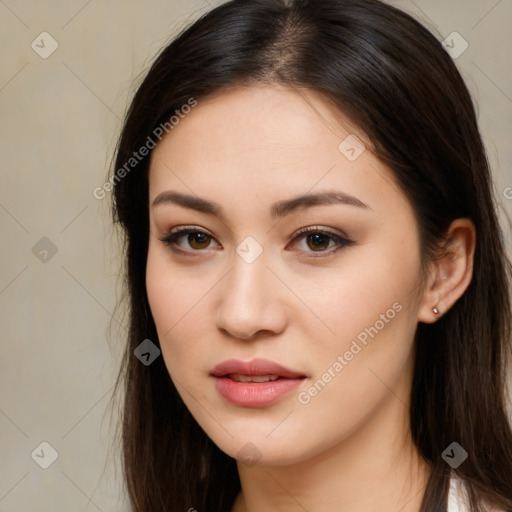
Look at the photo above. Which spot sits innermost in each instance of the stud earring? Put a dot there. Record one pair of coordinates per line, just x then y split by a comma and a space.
435, 310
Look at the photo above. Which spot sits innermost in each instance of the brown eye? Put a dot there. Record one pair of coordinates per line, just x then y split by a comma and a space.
191, 241
199, 240
318, 241
188, 240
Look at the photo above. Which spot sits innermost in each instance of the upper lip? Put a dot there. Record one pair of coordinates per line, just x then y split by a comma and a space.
254, 367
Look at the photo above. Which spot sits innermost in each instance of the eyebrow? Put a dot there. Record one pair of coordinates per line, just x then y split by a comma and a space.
279, 209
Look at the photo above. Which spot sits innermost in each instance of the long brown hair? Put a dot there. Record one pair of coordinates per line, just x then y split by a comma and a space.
394, 80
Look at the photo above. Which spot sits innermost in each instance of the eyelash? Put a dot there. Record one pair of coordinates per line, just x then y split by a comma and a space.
340, 241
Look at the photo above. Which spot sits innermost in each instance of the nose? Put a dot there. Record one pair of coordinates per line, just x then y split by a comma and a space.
250, 301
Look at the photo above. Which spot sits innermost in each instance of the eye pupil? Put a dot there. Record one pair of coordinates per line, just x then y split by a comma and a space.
318, 240
198, 238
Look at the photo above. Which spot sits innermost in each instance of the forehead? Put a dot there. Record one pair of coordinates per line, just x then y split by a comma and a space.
264, 141
262, 116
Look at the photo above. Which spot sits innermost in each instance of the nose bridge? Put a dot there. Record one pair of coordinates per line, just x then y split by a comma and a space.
245, 287
246, 277
249, 302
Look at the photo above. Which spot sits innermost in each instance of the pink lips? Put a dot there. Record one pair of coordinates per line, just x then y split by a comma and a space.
233, 381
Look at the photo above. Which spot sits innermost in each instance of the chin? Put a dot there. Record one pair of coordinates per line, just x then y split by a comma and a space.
256, 447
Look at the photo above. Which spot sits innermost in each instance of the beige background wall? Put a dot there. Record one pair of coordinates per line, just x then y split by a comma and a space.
59, 119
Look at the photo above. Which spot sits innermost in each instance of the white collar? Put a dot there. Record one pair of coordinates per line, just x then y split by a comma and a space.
457, 497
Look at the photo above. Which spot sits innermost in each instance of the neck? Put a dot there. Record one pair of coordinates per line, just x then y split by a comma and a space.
375, 468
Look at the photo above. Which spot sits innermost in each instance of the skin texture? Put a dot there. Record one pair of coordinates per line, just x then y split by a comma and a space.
348, 448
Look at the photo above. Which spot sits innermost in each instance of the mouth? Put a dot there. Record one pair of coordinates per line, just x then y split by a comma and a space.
255, 383
238, 377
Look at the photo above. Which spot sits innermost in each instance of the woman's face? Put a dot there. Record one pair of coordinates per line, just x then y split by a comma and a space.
244, 290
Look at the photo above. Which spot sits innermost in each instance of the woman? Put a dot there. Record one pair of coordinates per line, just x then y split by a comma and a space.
312, 244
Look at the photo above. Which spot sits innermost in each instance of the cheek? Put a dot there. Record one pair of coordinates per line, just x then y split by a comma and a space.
177, 299
372, 309
160, 286
373, 294
369, 361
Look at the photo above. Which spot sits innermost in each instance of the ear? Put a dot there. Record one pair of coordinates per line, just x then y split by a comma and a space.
451, 273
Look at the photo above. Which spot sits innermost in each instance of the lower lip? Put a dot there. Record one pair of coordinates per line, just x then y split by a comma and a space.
255, 394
